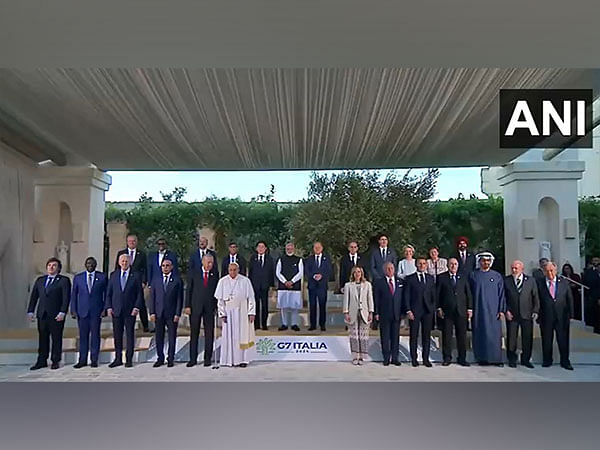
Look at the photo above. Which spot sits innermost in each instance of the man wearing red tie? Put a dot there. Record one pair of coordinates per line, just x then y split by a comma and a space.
556, 312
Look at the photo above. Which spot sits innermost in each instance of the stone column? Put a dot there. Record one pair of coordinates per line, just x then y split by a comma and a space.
541, 205
69, 208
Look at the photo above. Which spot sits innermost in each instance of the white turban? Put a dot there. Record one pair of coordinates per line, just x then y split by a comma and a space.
486, 255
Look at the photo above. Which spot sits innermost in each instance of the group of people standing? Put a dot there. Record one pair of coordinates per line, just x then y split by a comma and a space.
381, 291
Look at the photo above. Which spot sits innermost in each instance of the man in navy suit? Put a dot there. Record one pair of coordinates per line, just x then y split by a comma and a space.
87, 306
124, 298
166, 302
466, 260
348, 261
379, 256
420, 304
261, 272
556, 312
318, 270
200, 306
195, 263
53, 292
156, 258
389, 307
233, 257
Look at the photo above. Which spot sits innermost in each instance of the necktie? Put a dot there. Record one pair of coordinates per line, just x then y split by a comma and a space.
552, 289
391, 286
123, 280
131, 256
205, 279
49, 281
231, 259
383, 254
262, 261
318, 260
454, 280
463, 257
165, 281
519, 285
353, 260
90, 282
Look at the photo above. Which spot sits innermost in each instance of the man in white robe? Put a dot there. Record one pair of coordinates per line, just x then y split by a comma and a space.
236, 307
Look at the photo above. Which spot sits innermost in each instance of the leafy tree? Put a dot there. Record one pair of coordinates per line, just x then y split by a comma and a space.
589, 222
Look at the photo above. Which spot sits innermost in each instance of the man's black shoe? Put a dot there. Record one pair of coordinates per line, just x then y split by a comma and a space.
128, 364
115, 363
158, 364
546, 364
38, 366
207, 364
265, 328
396, 363
414, 363
282, 328
464, 364
427, 364
528, 365
243, 365
79, 365
386, 363
94, 364
54, 366
312, 328
170, 364
512, 364
323, 328
567, 366
295, 328
446, 363
191, 364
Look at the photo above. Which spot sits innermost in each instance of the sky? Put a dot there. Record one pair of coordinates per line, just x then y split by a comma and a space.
290, 186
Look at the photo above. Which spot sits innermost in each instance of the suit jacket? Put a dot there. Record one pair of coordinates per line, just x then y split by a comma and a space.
454, 298
346, 267
154, 269
389, 307
354, 302
469, 265
311, 269
376, 262
262, 277
560, 309
51, 300
139, 264
591, 278
85, 303
195, 262
120, 301
420, 297
526, 303
200, 298
240, 260
169, 302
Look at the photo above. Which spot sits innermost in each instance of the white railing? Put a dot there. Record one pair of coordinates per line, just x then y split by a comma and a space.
582, 295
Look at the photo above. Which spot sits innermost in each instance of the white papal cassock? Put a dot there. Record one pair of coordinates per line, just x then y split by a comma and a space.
235, 300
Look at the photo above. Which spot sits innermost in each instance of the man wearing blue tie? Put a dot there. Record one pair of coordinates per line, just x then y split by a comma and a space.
166, 302
87, 306
124, 298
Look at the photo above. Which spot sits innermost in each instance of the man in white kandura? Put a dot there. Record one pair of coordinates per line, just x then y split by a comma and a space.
236, 306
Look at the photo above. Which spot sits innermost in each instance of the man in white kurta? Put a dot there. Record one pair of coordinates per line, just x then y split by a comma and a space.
236, 307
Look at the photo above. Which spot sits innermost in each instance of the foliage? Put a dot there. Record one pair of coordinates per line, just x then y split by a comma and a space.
360, 205
589, 222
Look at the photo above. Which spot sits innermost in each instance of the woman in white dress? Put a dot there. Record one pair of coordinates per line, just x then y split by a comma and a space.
358, 308
407, 266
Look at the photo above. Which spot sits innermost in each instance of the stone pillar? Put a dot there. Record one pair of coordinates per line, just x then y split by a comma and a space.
117, 240
16, 231
69, 209
541, 206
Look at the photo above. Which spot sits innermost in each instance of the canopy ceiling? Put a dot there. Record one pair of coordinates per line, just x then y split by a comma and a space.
241, 119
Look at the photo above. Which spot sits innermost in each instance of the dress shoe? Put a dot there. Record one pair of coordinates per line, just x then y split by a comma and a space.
323, 328
38, 366
396, 363
512, 364
265, 328
567, 366
312, 328
446, 363
192, 364
207, 364
527, 364
427, 364
414, 363
386, 363
464, 364
94, 364
282, 328
54, 366
170, 364
128, 364
115, 363
483, 363
500, 365
546, 364
158, 364
295, 328
79, 365
243, 365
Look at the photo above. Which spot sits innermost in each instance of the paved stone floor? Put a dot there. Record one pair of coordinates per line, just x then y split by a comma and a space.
302, 371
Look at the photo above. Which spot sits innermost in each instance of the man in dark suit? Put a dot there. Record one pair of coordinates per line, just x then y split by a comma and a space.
197, 255
466, 260
455, 306
139, 265
234, 257
318, 270
556, 312
156, 258
389, 307
591, 278
51, 294
200, 306
379, 256
261, 272
124, 299
522, 308
348, 261
420, 301
166, 302
87, 306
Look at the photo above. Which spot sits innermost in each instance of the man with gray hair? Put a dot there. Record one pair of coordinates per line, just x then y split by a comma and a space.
522, 308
